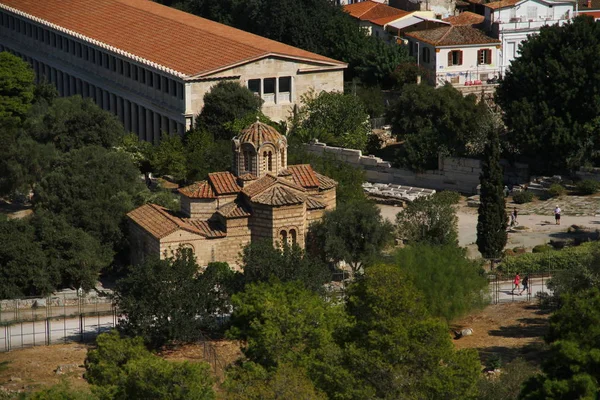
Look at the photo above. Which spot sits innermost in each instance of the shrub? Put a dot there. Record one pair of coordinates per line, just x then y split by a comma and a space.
523, 197
541, 248
588, 186
519, 250
556, 190
448, 197
551, 260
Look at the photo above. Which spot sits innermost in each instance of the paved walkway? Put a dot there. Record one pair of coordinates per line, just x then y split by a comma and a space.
502, 291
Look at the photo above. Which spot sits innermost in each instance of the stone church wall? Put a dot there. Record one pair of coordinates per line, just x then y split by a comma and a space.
143, 244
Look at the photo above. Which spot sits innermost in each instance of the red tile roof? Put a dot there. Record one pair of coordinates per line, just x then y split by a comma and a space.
495, 5
452, 35
198, 190
259, 133
278, 196
303, 175
247, 177
163, 37
314, 204
376, 13
224, 183
325, 182
261, 184
159, 222
234, 210
465, 18
208, 229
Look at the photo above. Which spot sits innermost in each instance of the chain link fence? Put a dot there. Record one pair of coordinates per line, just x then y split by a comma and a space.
503, 290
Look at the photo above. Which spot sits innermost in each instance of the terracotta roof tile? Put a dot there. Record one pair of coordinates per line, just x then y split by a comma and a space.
261, 184
234, 210
180, 41
224, 183
284, 172
452, 35
278, 196
314, 204
325, 182
159, 222
304, 175
209, 229
259, 133
465, 18
247, 177
198, 190
495, 5
376, 13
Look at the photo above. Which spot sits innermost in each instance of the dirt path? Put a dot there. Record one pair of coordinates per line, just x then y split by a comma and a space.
509, 330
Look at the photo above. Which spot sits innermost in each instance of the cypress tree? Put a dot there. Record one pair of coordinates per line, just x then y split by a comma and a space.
492, 221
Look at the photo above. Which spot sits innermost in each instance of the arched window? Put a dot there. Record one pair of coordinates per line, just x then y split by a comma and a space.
283, 237
265, 161
246, 161
270, 157
282, 155
293, 235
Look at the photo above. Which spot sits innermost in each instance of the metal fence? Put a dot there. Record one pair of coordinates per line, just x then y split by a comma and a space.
502, 288
58, 319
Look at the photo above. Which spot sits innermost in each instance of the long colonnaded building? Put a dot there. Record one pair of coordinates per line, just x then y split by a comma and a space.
262, 199
151, 65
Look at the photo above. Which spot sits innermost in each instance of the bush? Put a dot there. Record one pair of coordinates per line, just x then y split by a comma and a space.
541, 248
448, 197
556, 190
551, 260
588, 186
523, 197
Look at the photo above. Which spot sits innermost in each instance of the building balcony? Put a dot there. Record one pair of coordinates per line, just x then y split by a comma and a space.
525, 24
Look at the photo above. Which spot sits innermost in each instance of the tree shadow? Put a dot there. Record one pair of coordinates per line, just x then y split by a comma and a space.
534, 352
527, 328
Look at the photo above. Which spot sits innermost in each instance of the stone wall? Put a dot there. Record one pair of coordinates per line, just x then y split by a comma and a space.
453, 173
592, 173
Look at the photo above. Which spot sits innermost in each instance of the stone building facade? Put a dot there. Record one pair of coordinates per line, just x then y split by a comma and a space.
262, 198
151, 65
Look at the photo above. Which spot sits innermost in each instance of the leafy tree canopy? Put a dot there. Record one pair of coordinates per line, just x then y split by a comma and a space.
451, 284
262, 262
432, 120
223, 104
428, 220
16, 89
551, 96
334, 118
354, 232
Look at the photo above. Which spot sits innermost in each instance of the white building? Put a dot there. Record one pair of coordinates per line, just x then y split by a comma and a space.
460, 55
150, 64
512, 21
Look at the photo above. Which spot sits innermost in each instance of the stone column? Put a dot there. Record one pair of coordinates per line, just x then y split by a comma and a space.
120, 107
156, 126
149, 125
126, 115
112, 101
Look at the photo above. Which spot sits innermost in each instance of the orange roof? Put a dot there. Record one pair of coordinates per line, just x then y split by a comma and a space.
278, 196
495, 5
465, 18
376, 13
198, 190
166, 38
325, 182
314, 204
450, 35
261, 184
234, 210
303, 175
224, 183
159, 222
208, 229
259, 133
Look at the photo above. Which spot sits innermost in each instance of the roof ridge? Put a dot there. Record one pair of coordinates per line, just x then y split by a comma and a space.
176, 220
445, 34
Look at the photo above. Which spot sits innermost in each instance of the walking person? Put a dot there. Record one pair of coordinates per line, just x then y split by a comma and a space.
525, 285
557, 211
515, 215
517, 283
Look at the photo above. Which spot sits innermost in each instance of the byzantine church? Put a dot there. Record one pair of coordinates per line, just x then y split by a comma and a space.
262, 198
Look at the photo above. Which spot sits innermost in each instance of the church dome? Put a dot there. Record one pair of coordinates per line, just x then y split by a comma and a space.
259, 133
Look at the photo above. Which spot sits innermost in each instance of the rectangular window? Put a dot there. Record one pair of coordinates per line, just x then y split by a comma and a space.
134, 72
285, 84
158, 82
126, 69
142, 75
426, 54
484, 56
172, 88
79, 50
254, 86
269, 85
165, 84
181, 88
151, 79
455, 57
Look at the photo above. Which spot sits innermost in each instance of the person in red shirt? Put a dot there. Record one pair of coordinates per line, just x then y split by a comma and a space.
517, 283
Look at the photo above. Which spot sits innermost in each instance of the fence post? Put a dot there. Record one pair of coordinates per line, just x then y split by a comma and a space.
48, 338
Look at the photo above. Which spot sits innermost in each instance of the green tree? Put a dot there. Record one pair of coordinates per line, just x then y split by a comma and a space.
167, 300
398, 349
122, 368
61, 391
283, 323
204, 155
223, 104
262, 261
431, 121
450, 283
428, 220
16, 89
73, 122
168, 157
92, 188
550, 96
354, 232
492, 221
334, 118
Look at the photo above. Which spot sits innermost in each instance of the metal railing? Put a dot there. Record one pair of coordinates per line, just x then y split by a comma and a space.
502, 288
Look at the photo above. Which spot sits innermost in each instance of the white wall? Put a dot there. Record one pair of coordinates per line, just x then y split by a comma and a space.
469, 70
